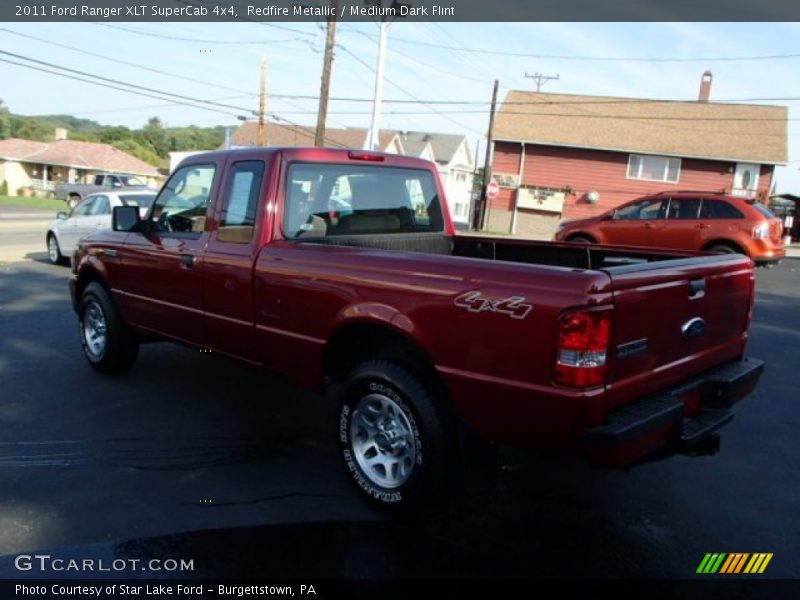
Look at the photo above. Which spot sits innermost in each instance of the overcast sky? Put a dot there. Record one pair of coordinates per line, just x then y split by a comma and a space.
221, 62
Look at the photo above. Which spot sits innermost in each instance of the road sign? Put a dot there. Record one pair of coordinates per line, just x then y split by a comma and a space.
492, 189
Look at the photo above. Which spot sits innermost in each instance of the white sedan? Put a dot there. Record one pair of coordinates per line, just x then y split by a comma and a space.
90, 214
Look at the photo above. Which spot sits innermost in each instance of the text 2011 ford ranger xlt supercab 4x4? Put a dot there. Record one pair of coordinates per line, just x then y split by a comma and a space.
341, 270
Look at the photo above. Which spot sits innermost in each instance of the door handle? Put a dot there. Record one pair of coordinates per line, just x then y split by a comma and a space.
187, 260
704, 226
649, 226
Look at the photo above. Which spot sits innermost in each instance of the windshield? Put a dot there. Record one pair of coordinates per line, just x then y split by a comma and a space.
140, 200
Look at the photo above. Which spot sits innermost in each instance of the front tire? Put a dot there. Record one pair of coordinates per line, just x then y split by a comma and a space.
54, 251
107, 342
394, 437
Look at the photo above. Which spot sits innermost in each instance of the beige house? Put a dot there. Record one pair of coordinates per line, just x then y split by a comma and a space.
28, 167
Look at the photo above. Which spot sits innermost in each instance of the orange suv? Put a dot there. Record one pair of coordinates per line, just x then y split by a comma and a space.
707, 221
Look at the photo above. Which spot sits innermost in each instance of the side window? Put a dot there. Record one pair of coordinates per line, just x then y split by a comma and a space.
181, 205
719, 209
238, 218
646, 209
355, 199
684, 208
84, 208
101, 206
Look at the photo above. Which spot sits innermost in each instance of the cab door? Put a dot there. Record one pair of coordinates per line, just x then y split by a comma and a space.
230, 256
637, 224
160, 281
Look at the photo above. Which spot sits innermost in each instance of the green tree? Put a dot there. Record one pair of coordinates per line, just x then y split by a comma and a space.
5, 122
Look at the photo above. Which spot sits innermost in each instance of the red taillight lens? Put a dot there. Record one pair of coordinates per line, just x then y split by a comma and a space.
582, 347
355, 155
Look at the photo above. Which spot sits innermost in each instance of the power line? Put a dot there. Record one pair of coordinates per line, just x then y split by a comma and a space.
131, 85
196, 40
108, 86
409, 94
656, 59
128, 63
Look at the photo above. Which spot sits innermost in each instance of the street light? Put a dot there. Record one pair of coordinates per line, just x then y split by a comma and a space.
371, 141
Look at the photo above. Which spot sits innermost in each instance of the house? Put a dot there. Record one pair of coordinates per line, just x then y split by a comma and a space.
451, 153
453, 157
279, 134
559, 156
787, 207
30, 167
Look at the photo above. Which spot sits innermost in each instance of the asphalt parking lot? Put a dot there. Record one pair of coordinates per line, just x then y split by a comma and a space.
189, 455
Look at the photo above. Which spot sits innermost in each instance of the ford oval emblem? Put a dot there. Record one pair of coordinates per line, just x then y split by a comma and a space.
693, 328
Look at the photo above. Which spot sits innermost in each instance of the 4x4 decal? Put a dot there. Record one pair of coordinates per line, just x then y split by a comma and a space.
476, 302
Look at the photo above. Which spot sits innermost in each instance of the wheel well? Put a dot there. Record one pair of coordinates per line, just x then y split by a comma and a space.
86, 276
359, 342
585, 236
724, 242
74, 195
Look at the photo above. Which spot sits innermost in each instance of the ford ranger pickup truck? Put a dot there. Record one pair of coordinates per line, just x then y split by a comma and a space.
341, 270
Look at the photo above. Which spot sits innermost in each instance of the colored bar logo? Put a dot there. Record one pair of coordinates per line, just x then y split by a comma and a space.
734, 563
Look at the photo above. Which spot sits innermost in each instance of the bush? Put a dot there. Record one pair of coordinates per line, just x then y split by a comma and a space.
4, 189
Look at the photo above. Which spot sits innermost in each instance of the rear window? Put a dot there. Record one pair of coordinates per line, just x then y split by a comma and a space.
355, 199
140, 200
764, 210
719, 209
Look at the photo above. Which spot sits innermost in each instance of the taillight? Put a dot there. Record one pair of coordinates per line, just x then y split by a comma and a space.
369, 156
582, 348
761, 231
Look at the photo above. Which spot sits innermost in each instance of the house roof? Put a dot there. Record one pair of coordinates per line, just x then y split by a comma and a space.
444, 145
72, 153
278, 134
735, 132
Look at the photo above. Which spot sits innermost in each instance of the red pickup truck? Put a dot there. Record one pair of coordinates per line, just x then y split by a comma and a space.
341, 270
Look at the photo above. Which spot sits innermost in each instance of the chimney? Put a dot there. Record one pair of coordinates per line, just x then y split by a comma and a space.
705, 87
60, 134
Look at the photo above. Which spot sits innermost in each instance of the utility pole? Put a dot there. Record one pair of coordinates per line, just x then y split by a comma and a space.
371, 142
541, 79
262, 102
324, 92
483, 204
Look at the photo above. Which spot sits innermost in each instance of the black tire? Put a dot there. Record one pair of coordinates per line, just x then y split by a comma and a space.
724, 249
54, 250
98, 317
414, 434
580, 239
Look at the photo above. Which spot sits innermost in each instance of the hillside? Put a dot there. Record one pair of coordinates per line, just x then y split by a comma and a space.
152, 143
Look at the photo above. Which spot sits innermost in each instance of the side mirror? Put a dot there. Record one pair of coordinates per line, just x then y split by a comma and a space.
116, 184
61, 215
125, 218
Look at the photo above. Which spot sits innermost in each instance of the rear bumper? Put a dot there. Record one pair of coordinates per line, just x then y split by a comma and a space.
684, 418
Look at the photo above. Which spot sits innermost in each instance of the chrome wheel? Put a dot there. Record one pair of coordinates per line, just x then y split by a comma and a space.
382, 441
94, 329
52, 249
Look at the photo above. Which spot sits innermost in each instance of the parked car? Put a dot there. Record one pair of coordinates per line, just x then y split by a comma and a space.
73, 192
705, 221
419, 335
91, 213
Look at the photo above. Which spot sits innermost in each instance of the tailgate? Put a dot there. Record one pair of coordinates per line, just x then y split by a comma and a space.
674, 319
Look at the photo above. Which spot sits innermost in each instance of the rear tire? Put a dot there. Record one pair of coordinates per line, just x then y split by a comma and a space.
54, 251
581, 239
724, 249
107, 342
73, 200
395, 438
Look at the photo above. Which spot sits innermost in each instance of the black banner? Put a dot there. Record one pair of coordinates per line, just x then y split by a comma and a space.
409, 10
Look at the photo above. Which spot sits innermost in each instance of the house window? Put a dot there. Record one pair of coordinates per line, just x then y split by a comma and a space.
654, 168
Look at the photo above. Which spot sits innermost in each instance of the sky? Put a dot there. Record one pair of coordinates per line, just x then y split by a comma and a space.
428, 62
